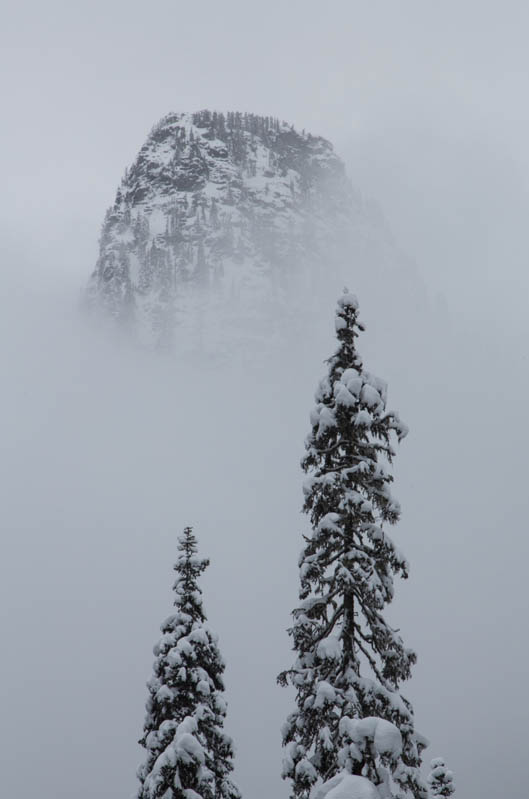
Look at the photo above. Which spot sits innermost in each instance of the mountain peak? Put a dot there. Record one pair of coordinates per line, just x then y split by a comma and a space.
223, 209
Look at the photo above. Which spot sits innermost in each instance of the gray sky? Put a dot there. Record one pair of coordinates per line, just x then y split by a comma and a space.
427, 104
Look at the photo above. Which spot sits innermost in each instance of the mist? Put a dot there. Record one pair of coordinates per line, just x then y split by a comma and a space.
109, 451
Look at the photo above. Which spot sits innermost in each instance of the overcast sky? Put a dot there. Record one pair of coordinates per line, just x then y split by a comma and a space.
425, 101
427, 104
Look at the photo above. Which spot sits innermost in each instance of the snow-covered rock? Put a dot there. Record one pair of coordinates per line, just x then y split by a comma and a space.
216, 221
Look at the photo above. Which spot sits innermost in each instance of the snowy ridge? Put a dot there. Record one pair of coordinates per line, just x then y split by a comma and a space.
215, 220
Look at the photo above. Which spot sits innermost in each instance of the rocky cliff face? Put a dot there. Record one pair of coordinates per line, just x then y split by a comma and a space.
216, 221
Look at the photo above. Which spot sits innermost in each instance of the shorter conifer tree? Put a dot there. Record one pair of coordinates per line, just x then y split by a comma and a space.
189, 756
440, 779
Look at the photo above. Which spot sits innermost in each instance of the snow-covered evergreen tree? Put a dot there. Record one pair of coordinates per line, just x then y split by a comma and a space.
189, 756
351, 720
440, 779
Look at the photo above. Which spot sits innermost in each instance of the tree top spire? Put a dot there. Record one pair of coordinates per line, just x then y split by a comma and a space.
348, 327
189, 567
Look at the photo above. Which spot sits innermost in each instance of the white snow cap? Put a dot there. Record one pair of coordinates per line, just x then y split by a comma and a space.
437, 762
346, 786
347, 300
386, 736
330, 648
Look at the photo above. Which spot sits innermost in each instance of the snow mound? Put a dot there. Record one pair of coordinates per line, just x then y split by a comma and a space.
346, 786
384, 735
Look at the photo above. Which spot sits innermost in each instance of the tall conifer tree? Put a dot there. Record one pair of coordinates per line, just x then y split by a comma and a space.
189, 756
351, 718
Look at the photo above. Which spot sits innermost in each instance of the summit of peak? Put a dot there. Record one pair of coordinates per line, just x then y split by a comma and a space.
232, 207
